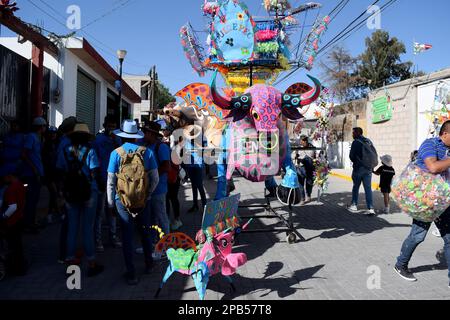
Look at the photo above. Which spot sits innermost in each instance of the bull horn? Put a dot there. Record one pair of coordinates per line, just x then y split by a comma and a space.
218, 100
312, 95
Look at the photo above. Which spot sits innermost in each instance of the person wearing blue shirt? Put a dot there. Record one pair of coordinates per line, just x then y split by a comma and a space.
433, 157
33, 171
130, 133
64, 130
162, 156
193, 165
11, 148
104, 144
81, 194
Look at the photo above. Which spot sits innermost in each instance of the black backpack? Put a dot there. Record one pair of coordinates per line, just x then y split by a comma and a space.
369, 157
77, 186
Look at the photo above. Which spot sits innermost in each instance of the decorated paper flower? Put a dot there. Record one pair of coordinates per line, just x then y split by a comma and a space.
240, 16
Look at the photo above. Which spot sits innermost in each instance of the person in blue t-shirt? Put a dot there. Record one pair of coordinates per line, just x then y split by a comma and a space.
80, 173
64, 130
104, 144
33, 171
11, 148
162, 156
193, 165
434, 157
130, 134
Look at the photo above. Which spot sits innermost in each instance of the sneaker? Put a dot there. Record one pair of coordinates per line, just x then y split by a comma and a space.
139, 250
405, 274
436, 233
302, 203
308, 200
177, 225
131, 278
353, 208
99, 247
371, 212
95, 270
387, 210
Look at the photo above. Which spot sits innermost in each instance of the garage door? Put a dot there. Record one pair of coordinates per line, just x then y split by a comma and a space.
86, 98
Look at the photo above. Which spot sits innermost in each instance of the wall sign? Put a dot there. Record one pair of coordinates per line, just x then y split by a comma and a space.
381, 110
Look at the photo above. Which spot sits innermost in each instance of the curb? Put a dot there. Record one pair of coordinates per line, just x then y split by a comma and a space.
375, 186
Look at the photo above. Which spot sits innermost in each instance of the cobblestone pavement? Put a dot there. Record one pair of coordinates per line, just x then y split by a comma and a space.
336, 261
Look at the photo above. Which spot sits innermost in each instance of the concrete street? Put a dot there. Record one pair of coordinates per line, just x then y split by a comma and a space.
337, 260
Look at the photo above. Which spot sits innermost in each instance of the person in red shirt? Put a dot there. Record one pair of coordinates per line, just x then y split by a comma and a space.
11, 222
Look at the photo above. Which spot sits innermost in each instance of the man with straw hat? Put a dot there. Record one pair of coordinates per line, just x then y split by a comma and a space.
80, 171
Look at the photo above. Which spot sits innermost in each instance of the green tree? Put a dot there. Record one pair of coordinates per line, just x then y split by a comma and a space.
380, 64
163, 96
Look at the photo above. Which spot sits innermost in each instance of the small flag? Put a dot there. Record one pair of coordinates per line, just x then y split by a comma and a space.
419, 48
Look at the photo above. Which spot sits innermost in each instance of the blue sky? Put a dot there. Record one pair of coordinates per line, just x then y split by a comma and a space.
148, 30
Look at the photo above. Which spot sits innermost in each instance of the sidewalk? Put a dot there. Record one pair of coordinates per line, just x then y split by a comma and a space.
336, 261
346, 174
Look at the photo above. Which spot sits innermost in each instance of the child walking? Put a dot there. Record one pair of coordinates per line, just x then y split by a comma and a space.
386, 173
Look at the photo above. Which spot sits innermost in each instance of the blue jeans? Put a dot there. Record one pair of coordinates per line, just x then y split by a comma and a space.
195, 173
158, 212
84, 213
418, 233
365, 176
112, 221
143, 223
32, 199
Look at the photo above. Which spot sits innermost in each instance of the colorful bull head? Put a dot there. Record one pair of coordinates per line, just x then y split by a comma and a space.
265, 104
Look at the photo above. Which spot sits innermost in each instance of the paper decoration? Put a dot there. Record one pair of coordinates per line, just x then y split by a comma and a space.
199, 95
232, 34
221, 215
313, 41
192, 49
213, 257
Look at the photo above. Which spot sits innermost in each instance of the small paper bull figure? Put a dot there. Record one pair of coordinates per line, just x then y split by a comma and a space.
213, 257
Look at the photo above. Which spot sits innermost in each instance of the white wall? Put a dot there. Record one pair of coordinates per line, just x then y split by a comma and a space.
64, 73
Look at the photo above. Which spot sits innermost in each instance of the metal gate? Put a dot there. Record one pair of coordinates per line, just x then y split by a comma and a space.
86, 100
15, 73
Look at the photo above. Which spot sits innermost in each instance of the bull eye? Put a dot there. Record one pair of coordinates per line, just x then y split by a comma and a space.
237, 105
255, 115
286, 97
244, 99
224, 243
295, 101
232, 241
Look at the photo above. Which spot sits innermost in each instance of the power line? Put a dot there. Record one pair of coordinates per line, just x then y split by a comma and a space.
348, 26
355, 28
106, 49
120, 6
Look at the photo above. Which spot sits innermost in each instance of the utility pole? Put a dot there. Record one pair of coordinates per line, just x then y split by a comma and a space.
152, 90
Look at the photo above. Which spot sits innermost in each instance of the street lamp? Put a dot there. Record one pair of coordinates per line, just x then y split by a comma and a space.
121, 54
